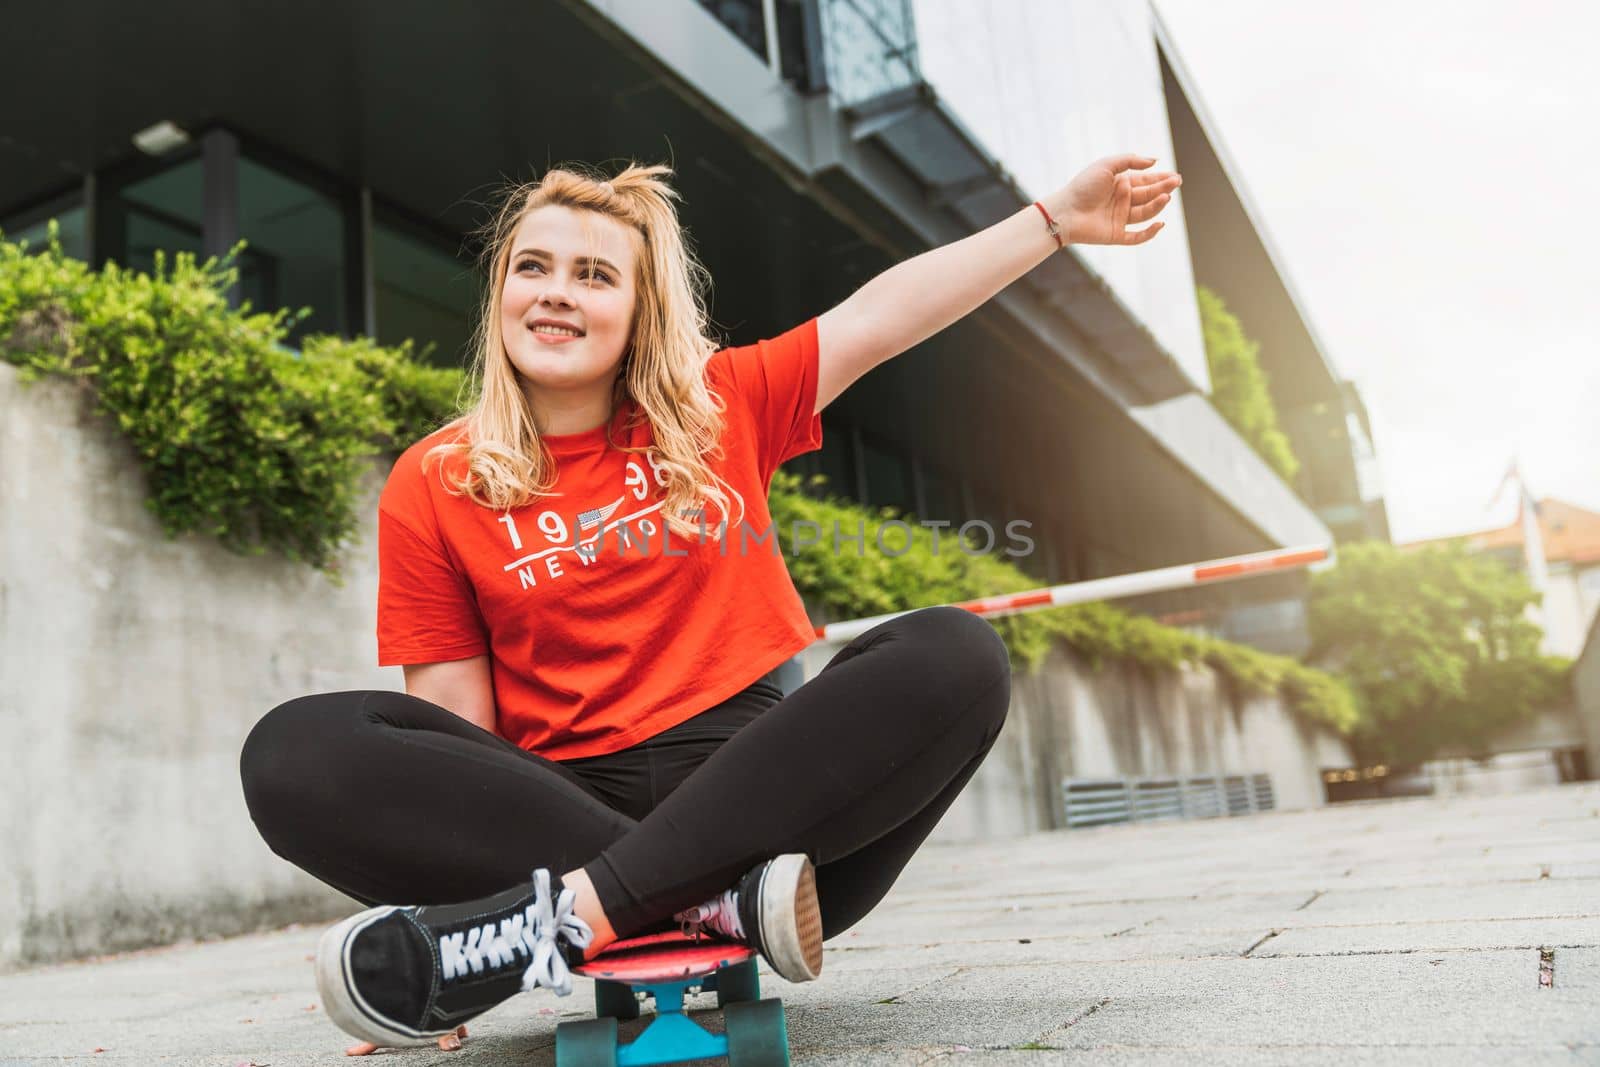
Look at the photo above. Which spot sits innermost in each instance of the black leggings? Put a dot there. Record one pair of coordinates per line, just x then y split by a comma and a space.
395, 800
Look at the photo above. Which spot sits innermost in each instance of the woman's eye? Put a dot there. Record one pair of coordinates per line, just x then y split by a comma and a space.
599, 275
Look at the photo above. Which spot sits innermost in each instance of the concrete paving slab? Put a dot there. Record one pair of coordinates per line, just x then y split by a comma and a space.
1431, 936
1262, 1056
1001, 1019
990, 919
1495, 1029
1389, 876
1476, 999
1055, 950
1574, 898
1565, 869
1578, 968
1120, 946
1246, 980
1565, 849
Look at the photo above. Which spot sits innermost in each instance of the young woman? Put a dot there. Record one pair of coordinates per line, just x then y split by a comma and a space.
579, 579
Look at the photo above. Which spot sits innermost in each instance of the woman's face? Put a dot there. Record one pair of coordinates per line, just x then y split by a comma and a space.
566, 302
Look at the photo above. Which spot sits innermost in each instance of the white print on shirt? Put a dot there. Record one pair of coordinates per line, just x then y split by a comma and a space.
587, 550
511, 526
555, 529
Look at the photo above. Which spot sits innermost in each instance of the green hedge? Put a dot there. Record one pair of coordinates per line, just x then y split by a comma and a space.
849, 585
1239, 385
239, 437
262, 448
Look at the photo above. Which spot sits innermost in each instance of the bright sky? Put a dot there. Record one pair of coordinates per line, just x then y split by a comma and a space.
1427, 171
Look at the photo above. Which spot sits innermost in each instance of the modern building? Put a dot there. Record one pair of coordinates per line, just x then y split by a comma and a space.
353, 145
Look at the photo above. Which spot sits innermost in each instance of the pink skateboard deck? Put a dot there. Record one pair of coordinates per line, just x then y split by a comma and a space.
663, 957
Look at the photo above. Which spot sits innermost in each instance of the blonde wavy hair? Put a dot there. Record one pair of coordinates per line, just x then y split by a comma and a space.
662, 368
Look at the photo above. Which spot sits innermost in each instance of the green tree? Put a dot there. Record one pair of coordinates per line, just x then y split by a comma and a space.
1239, 385
1436, 646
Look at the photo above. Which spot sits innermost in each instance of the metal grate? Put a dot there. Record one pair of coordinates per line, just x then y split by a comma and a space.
1236, 789
1202, 798
1096, 803
1104, 801
1159, 799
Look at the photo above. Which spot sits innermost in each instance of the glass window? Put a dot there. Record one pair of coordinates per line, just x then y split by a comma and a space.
941, 497
744, 18
294, 257
74, 235
424, 294
163, 212
871, 48
803, 466
991, 510
836, 461
794, 62
888, 478
296, 236
1039, 562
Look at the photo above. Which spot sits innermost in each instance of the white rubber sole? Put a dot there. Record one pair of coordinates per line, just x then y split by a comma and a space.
340, 1000
791, 922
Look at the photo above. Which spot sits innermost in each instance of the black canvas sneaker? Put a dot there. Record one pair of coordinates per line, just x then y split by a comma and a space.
774, 910
408, 975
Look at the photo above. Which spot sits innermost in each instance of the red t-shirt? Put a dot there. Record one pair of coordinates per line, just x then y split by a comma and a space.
593, 651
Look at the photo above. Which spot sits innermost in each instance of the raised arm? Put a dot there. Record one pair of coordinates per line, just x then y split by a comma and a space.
914, 300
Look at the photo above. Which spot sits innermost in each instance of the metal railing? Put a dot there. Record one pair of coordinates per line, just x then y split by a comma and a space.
1103, 801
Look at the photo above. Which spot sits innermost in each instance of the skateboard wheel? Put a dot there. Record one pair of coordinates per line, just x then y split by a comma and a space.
591, 1043
615, 1000
737, 984
757, 1036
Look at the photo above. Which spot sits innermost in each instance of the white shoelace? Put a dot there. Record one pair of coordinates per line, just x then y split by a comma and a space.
720, 914
531, 932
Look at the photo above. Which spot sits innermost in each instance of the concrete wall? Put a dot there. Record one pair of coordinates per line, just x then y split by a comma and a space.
1069, 720
132, 667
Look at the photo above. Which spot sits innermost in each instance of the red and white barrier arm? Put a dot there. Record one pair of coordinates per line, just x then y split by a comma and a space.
1120, 585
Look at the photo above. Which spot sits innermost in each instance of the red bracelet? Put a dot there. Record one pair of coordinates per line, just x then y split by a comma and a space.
1055, 230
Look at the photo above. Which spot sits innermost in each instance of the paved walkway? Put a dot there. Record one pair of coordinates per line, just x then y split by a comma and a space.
1438, 931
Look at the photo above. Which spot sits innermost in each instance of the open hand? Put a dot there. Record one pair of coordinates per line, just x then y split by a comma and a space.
1106, 198
447, 1043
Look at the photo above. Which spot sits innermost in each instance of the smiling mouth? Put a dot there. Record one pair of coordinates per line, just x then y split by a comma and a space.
555, 331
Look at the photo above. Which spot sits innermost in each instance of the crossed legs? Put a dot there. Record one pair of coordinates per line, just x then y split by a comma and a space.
395, 800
